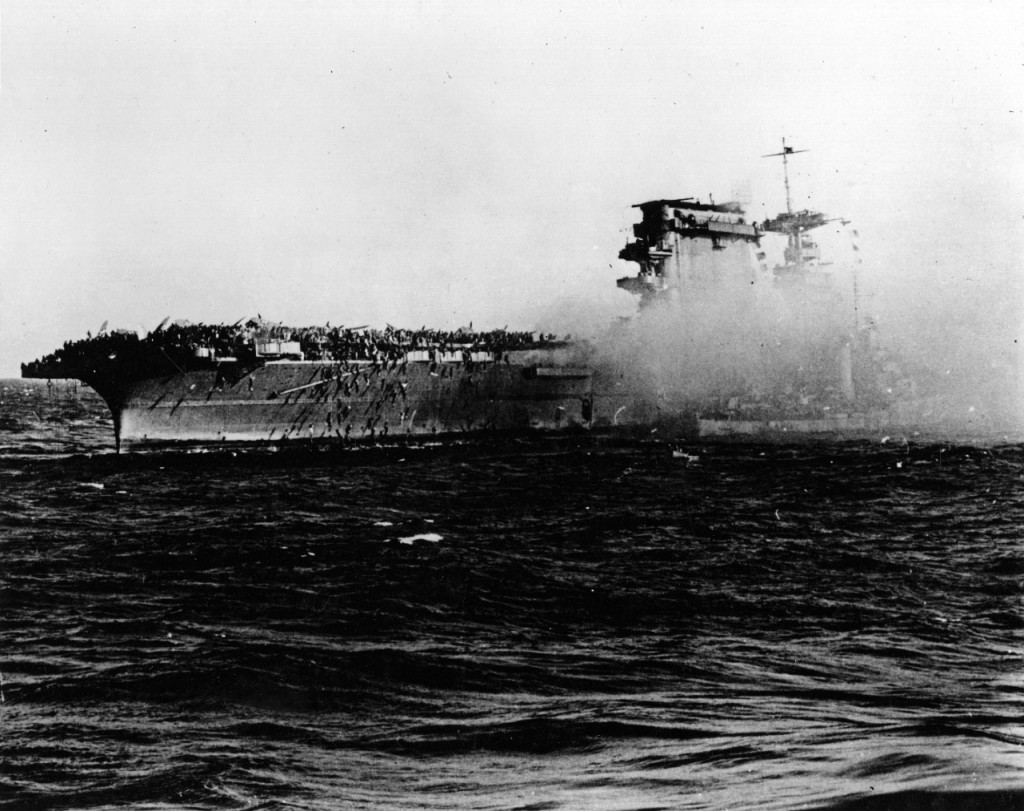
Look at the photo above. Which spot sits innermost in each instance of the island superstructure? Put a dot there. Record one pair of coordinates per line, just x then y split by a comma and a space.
672, 243
792, 355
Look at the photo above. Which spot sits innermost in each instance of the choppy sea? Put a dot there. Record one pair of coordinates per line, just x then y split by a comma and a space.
532, 626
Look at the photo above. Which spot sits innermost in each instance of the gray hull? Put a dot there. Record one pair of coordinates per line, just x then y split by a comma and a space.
302, 400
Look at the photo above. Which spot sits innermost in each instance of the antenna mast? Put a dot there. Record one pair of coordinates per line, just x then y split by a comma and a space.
785, 153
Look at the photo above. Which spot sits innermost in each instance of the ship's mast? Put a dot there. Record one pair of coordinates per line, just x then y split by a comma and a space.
793, 224
784, 154
803, 261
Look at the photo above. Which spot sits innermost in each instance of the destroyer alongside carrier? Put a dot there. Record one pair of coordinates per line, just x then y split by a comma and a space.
258, 382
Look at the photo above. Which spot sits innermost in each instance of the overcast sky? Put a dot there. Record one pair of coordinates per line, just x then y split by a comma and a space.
439, 163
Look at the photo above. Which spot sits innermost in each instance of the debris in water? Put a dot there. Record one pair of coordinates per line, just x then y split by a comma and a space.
689, 458
433, 537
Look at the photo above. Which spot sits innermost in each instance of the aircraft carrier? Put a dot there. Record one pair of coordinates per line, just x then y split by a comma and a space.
261, 382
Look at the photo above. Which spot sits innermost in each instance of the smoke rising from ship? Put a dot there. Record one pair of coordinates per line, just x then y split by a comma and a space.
738, 341
738, 336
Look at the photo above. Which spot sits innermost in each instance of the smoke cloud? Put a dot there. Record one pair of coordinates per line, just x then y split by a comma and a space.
942, 357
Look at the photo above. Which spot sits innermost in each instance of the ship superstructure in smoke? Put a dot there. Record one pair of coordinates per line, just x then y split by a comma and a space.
674, 243
751, 349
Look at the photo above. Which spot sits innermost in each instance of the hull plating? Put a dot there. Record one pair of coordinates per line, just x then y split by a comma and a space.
327, 401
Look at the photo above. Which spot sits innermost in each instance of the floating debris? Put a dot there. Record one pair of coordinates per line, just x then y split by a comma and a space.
689, 458
433, 537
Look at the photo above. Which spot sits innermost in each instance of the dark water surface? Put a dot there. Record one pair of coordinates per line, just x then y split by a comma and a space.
533, 627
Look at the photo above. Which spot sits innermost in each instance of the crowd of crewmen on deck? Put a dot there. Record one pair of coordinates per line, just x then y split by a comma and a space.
337, 343
86, 353
179, 342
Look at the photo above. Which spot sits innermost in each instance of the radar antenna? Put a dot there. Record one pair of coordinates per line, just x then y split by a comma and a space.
784, 154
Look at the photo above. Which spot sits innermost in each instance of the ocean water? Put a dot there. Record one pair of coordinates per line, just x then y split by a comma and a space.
533, 626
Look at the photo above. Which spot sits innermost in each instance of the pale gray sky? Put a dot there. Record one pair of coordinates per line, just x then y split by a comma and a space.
436, 163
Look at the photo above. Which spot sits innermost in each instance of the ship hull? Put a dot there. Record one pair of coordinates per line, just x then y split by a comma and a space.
359, 402
853, 426
363, 402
